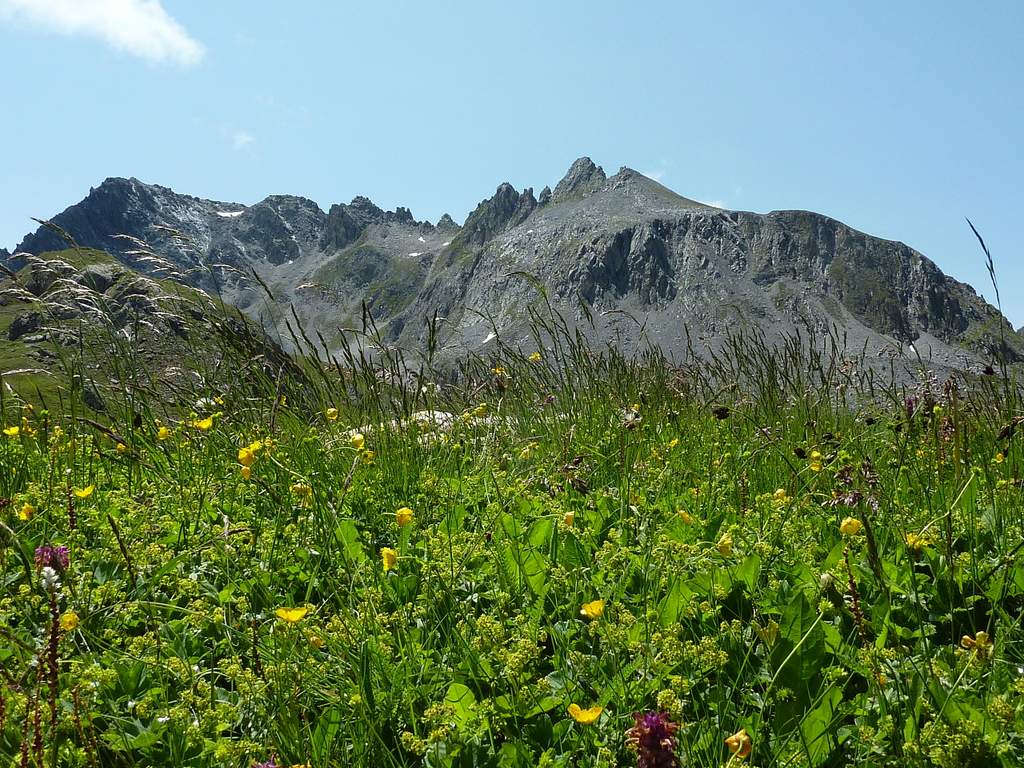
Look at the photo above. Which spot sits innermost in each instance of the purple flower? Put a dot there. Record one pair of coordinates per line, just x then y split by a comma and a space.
653, 738
269, 764
57, 558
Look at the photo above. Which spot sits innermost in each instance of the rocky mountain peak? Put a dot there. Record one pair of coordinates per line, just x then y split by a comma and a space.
505, 208
446, 224
583, 176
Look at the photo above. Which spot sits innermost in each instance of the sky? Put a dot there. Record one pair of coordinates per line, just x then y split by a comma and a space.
900, 119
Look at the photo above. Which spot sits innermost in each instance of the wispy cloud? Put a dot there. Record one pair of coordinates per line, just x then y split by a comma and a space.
138, 27
714, 203
241, 139
657, 175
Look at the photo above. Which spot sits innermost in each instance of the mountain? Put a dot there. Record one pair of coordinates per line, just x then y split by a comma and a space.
622, 258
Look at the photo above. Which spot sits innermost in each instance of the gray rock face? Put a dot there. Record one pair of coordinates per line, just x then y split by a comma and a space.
625, 259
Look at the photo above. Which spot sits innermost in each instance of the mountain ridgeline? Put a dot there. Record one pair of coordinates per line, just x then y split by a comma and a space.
622, 259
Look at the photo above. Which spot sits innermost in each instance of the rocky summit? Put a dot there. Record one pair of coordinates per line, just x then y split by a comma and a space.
621, 259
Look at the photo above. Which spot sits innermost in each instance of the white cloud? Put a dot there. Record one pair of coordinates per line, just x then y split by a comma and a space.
655, 175
139, 27
714, 203
241, 139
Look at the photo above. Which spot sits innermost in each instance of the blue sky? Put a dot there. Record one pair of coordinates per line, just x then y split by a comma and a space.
897, 118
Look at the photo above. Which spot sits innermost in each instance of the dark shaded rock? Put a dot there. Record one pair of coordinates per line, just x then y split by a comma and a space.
28, 322
545, 196
582, 176
492, 215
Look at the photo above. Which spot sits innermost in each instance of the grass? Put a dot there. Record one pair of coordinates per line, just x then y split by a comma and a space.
796, 562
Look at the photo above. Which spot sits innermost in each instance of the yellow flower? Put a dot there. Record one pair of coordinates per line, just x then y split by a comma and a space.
291, 615
332, 414
69, 621
981, 643
769, 633
850, 526
686, 517
724, 545
390, 557
12, 431
585, 716
403, 516
673, 443
121, 448
368, 455
569, 518
740, 743
916, 542
536, 357
246, 473
304, 492
26, 512
357, 440
203, 425
780, 496
316, 642
481, 410
816, 465
163, 433
999, 458
246, 456
593, 610
83, 493
498, 371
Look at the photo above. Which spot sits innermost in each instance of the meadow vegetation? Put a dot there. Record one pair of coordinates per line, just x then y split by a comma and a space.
551, 557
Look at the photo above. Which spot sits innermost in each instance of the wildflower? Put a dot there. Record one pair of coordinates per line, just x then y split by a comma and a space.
724, 545
999, 458
83, 493
121, 448
916, 542
389, 557
780, 496
291, 615
569, 518
480, 411
203, 425
69, 621
850, 526
57, 558
593, 610
50, 580
246, 456
498, 371
368, 455
673, 443
686, 517
740, 743
304, 492
769, 633
332, 414
163, 433
403, 516
535, 357
653, 738
26, 512
12, 431
357, 441
981, 644
527, 451
816, 464
246, 473
585, 716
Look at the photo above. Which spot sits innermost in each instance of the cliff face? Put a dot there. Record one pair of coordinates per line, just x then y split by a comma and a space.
626, 259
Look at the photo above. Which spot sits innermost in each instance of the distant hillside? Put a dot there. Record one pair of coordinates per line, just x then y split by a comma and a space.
79, 314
